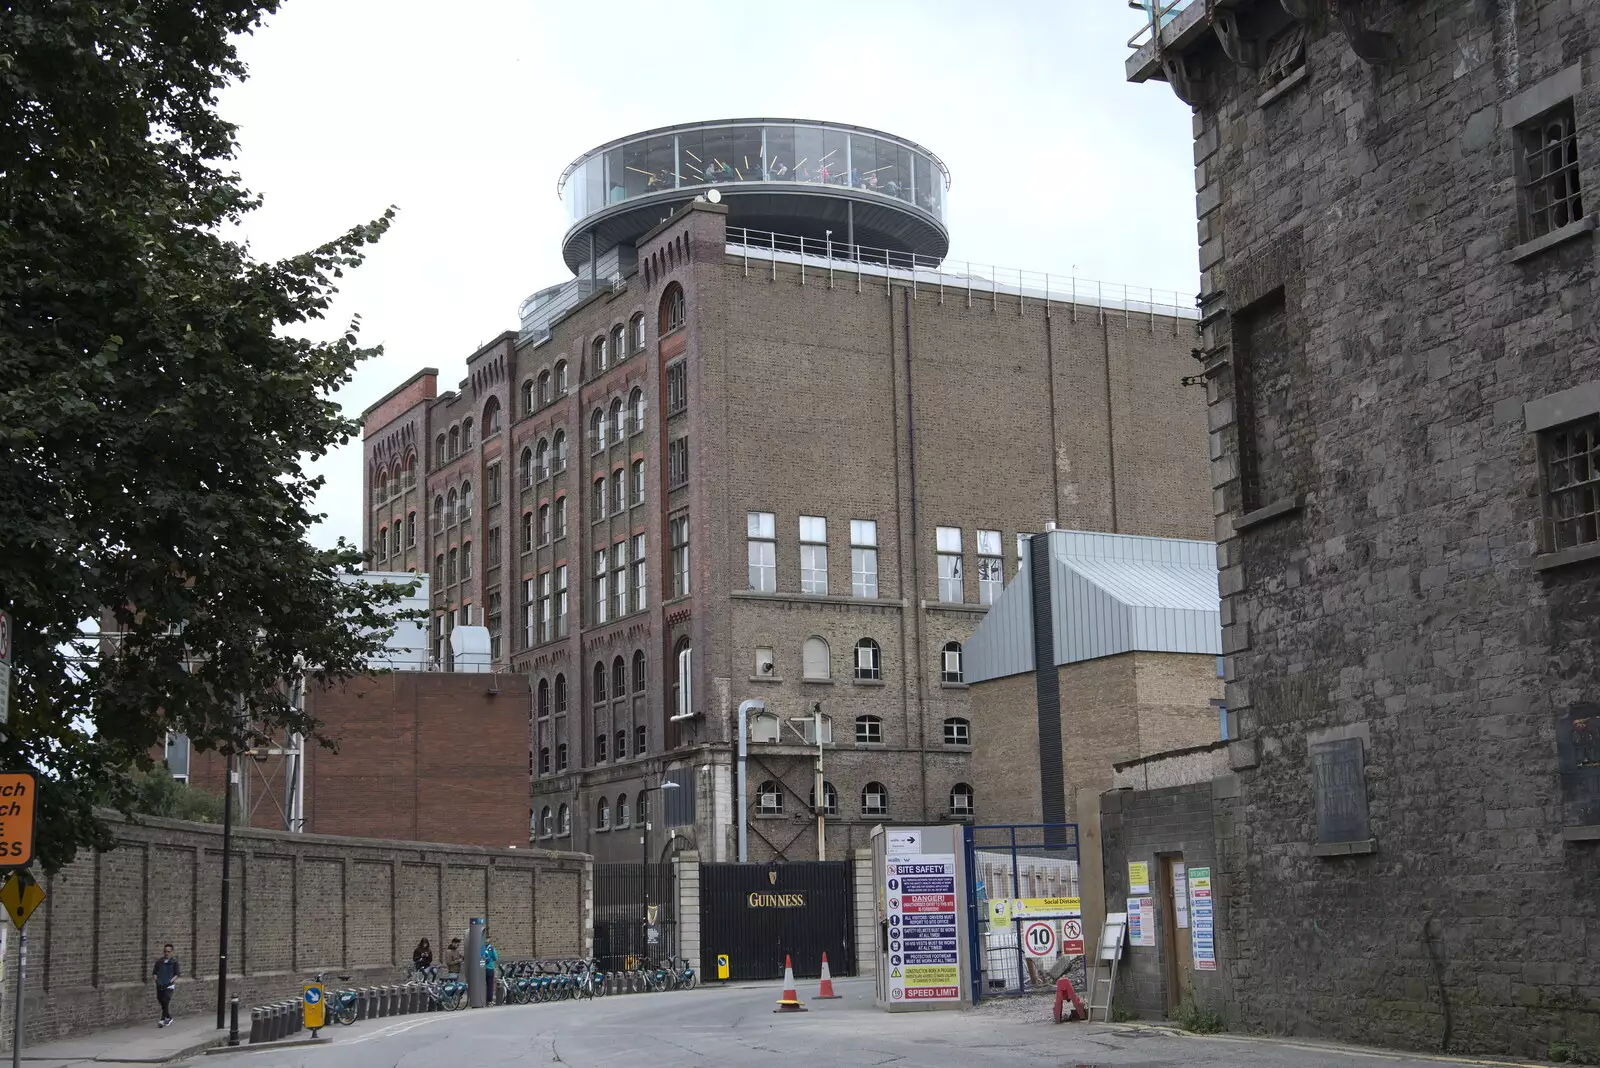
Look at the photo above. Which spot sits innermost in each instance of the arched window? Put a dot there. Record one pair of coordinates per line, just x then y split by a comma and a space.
438, 514
561, 695
381, 491
544, 388
455, 441
558, 451
600, 748
952, 662
561, 378
814, 659
541, 459
544, 698
466, 501
619, 343
394, 480
438, 450
875, 800
450, 509
599, 692
544, 765
438, 569
638, 482
383, 542
527, 532
525, 465
561, 759
560, 520
961, 799
450, 568
639, 740
597, 502
636, 410
638, 671
619, 677
530, 399
466, 561
597, 353
544, 524
682, 680
621, 746
641, 805
869, 730
411, 529
957, 731
830, 799
619, 429
564, 820
491, 416
673, 311
636, 332
466, 435
597, 430
868, 660
622, 799
547, 819
769, 799
411, 470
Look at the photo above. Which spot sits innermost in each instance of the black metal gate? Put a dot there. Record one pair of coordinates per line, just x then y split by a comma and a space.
620, 895
758, 913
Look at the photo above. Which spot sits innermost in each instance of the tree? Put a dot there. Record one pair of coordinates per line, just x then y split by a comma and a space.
157, 793
154, 415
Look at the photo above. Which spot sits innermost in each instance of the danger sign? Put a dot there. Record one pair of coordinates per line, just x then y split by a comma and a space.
1039, 938
1072, 937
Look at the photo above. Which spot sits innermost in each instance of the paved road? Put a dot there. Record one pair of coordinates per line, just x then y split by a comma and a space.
736, 1027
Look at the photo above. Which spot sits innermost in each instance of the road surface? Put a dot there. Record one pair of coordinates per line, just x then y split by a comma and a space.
736, 1026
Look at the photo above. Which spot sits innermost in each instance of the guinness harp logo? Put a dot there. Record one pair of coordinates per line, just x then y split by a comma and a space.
772, 878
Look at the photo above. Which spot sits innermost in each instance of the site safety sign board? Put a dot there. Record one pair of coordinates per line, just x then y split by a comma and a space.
1039, 939
1072, 937
19, 795
924, 962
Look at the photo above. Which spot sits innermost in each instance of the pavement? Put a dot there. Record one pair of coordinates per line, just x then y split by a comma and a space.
736, 1026
145, 1044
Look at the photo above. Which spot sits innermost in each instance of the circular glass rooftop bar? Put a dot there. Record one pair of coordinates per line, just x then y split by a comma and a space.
786, 176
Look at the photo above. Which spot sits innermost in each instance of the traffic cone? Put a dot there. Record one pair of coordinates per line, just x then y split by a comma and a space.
826, 990
790, 1002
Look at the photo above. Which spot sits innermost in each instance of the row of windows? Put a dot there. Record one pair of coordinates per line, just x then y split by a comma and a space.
542, 460
453, 566
404, 537
874, 799
394, 480
558, 821
767, 727
452, 507
611, 496
459, 438
618, 345
551, 525
621, 751
816, 662
541, 392
613, 573
619, 425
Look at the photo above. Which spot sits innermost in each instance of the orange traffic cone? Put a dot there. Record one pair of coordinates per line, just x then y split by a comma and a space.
826, 990
790, 1002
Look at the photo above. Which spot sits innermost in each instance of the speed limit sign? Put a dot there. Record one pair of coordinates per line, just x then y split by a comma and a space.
1039, 939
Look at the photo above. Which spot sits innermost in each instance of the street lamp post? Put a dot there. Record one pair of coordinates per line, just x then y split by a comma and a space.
227, 880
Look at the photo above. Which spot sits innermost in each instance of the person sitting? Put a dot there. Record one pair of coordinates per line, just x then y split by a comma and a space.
422, 960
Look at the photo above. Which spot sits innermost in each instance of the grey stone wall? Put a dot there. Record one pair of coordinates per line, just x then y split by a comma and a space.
300, 904
1375, 326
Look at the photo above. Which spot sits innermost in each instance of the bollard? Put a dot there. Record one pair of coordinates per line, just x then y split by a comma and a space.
255, 1024
367, 1005
299, 1014
233, 1022
380, 997
274, 1023
417, 996
393, 997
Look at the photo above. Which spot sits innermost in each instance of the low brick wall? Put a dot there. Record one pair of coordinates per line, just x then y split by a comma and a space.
300, 904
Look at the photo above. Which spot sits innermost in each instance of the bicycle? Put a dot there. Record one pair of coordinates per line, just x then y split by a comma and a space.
342, 1006
682, 972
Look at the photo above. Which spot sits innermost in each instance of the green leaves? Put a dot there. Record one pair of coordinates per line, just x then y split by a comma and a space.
153, 417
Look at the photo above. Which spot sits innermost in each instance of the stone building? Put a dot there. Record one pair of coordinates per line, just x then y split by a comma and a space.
1399, 268
789, 463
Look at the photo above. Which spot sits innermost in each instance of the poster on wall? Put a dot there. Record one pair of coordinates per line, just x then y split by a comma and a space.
924, 963
1138, 877
1202, 934
1180, 896
1141, 921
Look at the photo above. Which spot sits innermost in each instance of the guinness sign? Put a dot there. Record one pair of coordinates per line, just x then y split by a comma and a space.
758, 900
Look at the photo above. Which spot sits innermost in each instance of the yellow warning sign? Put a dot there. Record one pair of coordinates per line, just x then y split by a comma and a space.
932, 975
999, 909
722, 965
1024, 907
20, 899
895, 974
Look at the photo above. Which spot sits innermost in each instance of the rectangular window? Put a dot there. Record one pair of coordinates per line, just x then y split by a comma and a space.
597, 503
677, 463
640, 598
561, 601
638, 482
761, 530
494, 483
1572, 483
619, 490
680, 555
619, 578
869, 730
1549, 171
677, 388
544, 607
527, 614
951, 588
494, 546
766, 667
527, 532
560, 523
813, 554
863, 558
991, 566
599, 601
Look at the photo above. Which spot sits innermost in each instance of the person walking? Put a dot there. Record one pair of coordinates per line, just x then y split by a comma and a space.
491, 958
422, 960
452, 957
166, 972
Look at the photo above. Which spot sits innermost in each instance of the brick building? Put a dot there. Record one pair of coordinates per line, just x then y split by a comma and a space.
1399, 268
792, 463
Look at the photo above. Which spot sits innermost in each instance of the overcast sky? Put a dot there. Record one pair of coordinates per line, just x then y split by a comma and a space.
464, 115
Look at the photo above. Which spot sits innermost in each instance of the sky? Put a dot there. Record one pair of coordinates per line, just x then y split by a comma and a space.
464, 115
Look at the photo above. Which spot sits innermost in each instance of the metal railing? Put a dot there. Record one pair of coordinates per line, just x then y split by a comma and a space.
977, 281
1158, 16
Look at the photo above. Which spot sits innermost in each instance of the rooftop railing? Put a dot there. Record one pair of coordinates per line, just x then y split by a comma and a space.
1158, 14
974, 281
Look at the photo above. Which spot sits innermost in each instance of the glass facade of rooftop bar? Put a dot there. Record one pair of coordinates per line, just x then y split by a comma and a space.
724, 155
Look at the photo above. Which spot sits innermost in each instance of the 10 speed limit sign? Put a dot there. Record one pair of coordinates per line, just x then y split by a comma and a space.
1039, 938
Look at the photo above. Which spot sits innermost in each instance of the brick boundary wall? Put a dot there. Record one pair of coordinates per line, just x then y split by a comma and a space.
300, 904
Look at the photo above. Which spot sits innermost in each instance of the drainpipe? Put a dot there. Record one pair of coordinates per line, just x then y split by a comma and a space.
745, 708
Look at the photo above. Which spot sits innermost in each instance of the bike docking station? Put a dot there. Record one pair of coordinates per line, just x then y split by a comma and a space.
924, 918
478, 994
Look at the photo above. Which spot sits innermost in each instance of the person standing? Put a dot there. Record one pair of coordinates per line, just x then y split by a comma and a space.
491, 958
166, 974
452, 957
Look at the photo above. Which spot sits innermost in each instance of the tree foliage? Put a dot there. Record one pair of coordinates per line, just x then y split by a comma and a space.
154, 413
157, 793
